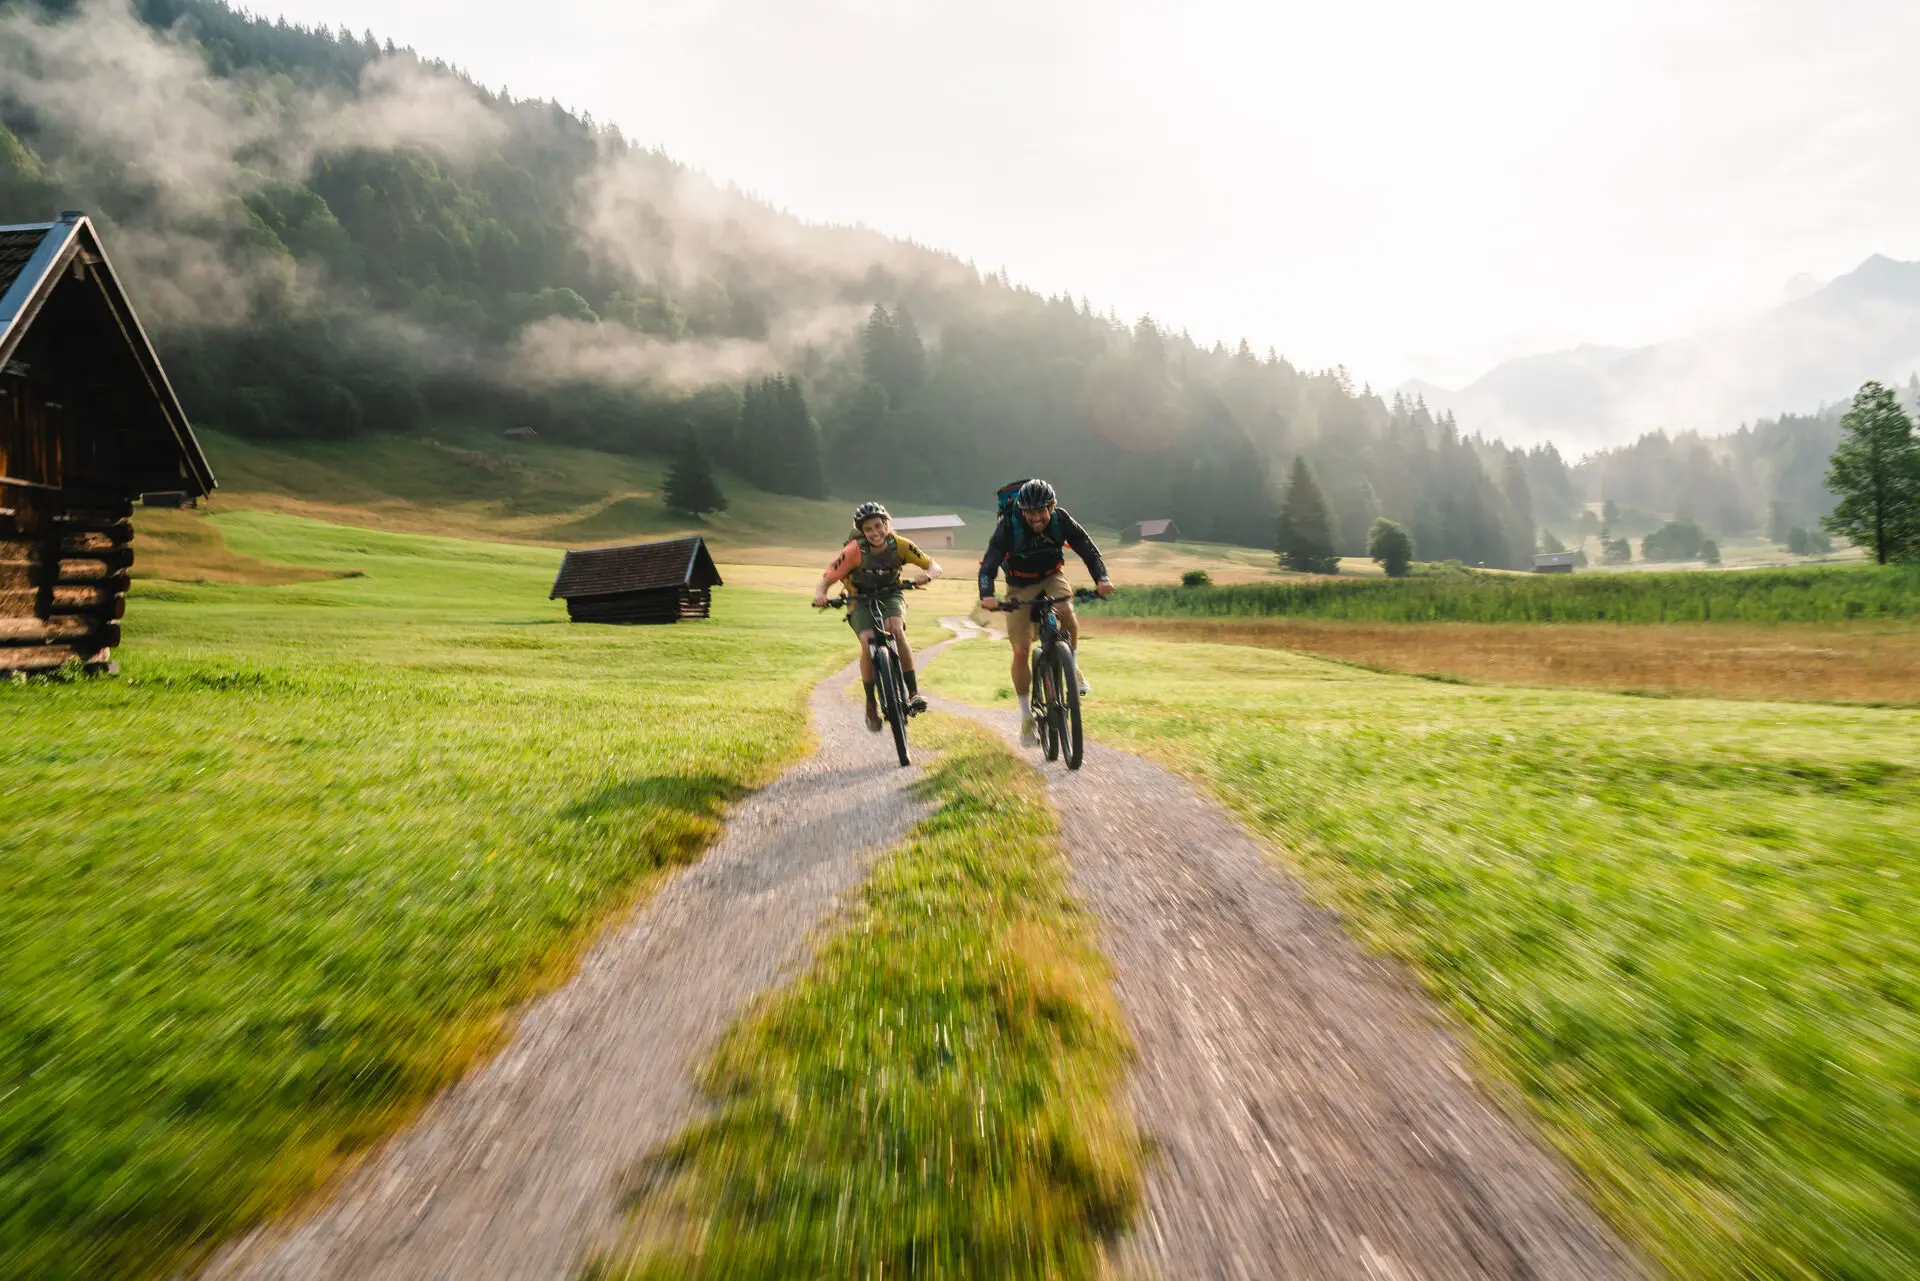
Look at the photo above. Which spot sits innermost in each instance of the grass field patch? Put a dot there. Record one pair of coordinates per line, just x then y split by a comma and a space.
1814, 594
1835, 663
940, 1093
267, 891
1687, 930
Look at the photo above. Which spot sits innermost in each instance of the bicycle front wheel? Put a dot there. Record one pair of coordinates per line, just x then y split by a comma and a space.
1069, 713
1046, 696
893, 697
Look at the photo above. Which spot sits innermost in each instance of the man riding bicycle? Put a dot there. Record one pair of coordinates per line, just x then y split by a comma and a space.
1028, 544
870, 563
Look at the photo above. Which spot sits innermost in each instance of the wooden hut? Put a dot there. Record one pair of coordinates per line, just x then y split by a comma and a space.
88, 422
638, 583
1151, 531
1555, 562
929, 531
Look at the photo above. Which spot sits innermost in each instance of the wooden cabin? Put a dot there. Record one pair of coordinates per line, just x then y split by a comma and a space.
1555, 562
638, 583
929, 531
88, 423
1151, 531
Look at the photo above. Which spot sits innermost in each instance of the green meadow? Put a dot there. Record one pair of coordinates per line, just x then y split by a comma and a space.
1811, 594
266, 891
1687, 931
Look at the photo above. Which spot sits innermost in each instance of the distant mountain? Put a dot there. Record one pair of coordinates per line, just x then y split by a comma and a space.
1814, 349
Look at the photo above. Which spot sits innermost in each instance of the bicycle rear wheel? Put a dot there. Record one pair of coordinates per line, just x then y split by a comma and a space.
1069, 681
893, 697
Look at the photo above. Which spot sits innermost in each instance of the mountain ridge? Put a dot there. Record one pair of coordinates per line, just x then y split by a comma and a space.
1801, 354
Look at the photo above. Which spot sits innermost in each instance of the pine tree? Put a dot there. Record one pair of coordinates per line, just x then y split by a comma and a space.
1876, 472
691, 488
1305, 541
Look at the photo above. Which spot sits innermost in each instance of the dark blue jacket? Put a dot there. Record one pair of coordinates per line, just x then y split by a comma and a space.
1028, 557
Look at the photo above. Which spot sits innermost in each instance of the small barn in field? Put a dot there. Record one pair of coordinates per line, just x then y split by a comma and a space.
1555, 562
638, 583
929, 531
1151, 531
88, 423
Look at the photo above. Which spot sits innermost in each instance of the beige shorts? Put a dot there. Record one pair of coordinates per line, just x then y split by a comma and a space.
1020, 621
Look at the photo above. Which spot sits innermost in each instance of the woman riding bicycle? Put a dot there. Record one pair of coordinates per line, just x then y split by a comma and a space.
870, 563
1028, 544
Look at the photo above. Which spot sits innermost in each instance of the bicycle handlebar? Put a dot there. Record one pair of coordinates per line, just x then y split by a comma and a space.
1008, 604
847, 598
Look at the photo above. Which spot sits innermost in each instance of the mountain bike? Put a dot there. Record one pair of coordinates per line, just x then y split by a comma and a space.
888, 682
1056, 681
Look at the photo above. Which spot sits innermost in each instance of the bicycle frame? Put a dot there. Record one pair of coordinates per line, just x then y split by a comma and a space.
1055, 690
889, 684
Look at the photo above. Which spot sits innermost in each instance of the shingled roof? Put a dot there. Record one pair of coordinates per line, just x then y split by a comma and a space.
16, 250
635, 567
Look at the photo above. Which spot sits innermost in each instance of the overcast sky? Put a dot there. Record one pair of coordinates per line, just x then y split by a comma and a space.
1412, 189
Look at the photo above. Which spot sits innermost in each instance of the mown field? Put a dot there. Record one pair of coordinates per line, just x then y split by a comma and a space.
1873, 664
941, 1094
1687, 931
1821, 594
269, 889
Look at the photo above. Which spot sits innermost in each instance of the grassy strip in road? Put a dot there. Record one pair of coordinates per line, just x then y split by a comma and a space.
1686, 930
940, 1095
266, 892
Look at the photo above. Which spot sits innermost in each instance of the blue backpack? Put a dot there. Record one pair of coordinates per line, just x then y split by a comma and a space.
1003, 502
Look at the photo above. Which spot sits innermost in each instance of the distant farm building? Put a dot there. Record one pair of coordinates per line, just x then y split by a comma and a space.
638, 583
929, 531
1151, 531
88, 423
1555, 562
521, 433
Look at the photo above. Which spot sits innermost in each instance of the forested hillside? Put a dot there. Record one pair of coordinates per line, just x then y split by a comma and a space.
330, 237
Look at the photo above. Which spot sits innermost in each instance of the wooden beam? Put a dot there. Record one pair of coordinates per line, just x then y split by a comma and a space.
40, 631
97, 569
44, 658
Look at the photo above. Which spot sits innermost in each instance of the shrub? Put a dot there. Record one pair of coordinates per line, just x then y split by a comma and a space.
1196, 578
1391, 545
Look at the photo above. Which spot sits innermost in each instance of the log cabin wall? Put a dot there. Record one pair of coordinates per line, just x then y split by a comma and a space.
66, 533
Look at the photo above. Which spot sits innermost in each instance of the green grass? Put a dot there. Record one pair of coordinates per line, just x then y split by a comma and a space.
1807, 595
464, 479
939, 1095
1688, 931
266, 891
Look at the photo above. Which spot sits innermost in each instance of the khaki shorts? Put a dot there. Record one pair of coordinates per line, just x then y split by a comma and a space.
864, 616
1020, 621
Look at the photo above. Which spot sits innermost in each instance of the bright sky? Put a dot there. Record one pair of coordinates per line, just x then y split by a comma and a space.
1412, 189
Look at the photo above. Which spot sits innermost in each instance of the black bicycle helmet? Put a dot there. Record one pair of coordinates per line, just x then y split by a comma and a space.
1034, 495
867, 511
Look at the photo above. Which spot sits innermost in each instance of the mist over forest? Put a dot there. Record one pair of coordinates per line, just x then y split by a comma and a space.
331, 237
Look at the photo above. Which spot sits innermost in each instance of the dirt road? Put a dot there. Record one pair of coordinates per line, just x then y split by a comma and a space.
514, 1173
1312, 1118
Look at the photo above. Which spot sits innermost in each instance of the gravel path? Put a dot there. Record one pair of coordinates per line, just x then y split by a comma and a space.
1312, 1117
514, 1173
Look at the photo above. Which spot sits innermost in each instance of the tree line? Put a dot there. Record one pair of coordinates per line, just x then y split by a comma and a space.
405, 275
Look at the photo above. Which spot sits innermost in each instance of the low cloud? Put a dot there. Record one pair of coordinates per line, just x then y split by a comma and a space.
560, 350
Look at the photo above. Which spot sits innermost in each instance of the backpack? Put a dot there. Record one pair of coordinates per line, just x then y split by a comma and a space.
1003, 498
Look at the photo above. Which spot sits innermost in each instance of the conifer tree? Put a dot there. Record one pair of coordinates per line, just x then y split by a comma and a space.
1876, 472
691, 489
1305, 541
